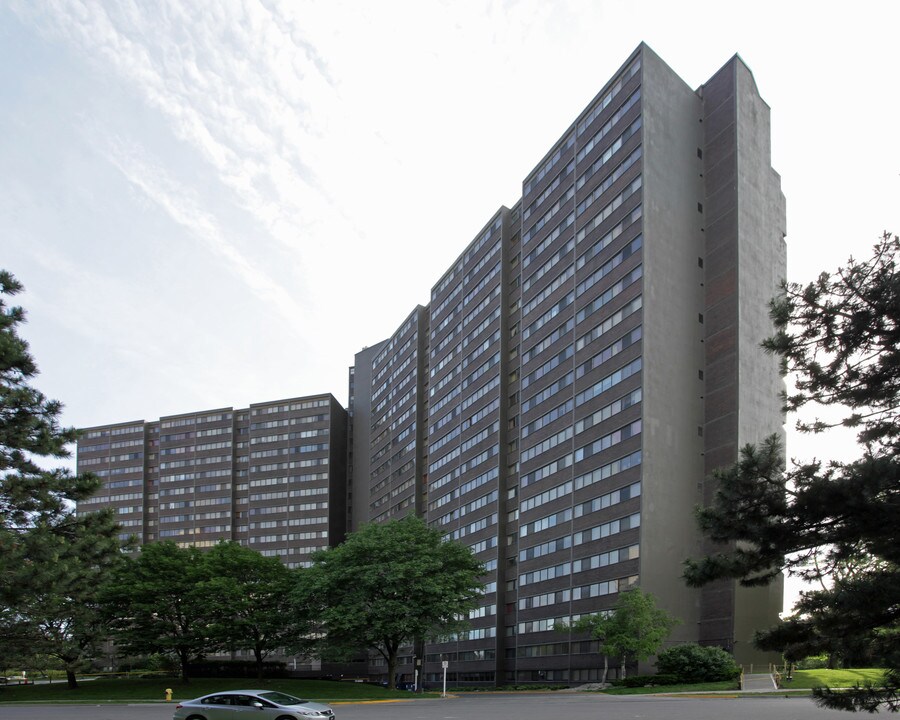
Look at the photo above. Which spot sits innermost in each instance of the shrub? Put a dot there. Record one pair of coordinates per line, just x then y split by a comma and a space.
160, 662
644, 680
693, 663
236, 669
813, 662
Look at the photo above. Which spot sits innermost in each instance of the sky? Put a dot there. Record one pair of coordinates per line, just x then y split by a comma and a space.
212, 204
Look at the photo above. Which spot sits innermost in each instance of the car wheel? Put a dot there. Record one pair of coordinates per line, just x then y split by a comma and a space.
196, 717
285, 717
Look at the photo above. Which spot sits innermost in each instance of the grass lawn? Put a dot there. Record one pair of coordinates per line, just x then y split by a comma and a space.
803, 680
832, 678
154, 689
697, 687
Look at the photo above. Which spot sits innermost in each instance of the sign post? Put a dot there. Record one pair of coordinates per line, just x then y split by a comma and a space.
444, 665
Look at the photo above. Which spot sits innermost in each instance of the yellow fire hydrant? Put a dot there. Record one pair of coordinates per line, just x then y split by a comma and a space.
168, 694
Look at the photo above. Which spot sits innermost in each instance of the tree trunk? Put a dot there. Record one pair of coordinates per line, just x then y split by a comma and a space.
259, 663
605, 668
183, 657
70, 679
392, 668
622, 671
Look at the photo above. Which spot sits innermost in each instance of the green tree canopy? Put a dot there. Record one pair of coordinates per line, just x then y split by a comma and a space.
158, 602
831, 522
51, 559
389, 584
596, 625
249, 599
64, 620
634, 629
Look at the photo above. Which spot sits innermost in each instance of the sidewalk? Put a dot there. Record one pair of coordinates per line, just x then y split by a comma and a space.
758, 682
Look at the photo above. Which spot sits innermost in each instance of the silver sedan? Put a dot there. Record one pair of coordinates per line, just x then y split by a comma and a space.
251, 705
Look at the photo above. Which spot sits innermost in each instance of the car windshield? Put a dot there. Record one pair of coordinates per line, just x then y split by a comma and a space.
281, 698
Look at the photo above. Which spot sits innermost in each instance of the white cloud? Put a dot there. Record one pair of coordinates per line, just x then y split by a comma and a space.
180, 205
232, 85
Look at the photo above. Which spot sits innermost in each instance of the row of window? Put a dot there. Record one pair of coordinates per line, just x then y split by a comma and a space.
195, 503
113, 458
181, 477
466, 487
475, 311
209, 460
465, 467
485, 237
549, 190
548, 166
472, 506
602, 132
630, 249
112, 472
125, 483
629, 522
181, 422
274, 452
168, 492
289, 465
113, 432
203, 530
601, 161
268, 424
549, 215
97, 447
191, 517
565, 489
495, 248
283, 437
609, 208
302, 492
393, 345
548, 265
292, 407
473, 527
274, 510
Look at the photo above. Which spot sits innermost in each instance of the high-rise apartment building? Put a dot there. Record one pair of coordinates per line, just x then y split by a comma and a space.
589, 359
271, 476
560, 403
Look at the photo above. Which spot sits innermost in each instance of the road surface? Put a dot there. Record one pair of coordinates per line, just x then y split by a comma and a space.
496, 706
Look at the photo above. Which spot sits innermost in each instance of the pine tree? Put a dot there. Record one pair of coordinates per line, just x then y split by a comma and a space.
832, 522
46, 549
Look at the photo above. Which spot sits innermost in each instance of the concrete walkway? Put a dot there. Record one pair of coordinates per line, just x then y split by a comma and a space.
758, 682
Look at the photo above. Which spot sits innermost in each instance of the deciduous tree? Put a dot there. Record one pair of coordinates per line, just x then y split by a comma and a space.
158, 602
636, 627
249, 598
596, 625
829, 521
389, 584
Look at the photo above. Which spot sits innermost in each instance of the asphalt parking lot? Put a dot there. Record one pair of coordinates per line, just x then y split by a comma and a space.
496, 706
